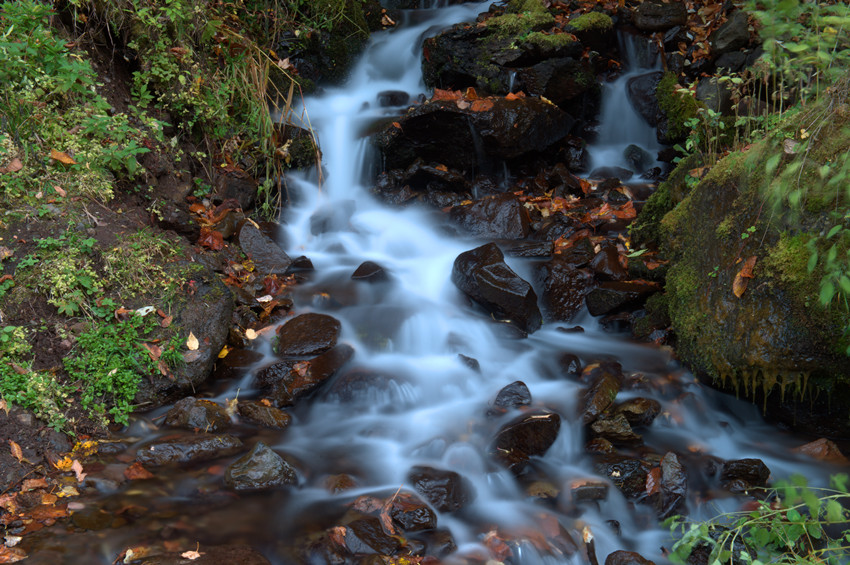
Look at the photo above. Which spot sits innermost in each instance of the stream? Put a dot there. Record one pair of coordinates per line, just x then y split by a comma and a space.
415, 334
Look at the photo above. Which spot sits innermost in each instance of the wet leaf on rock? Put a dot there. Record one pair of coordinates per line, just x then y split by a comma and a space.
11, 554
192, 342
16, 451
211, 239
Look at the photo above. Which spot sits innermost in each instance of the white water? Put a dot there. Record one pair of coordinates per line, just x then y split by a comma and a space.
414, 328
620, 124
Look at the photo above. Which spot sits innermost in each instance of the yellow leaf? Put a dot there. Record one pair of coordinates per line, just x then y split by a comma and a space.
223, 353
192, 342
63, 158
64, 464
739, 285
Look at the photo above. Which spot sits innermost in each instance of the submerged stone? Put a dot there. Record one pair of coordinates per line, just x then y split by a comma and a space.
447, 491
308, 334
198, 414
259, 469
188, 449
525, 437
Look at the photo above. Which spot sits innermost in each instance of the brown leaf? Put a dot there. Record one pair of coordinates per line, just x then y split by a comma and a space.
13, 167
16, 451
137, 472
63, 158
387, 21
514, 96
197, 208
211, 239
60, 191
301, 368
11, 554
440, 94
653, 481
739, 285
166, 321
32, 484
4, 406
470, 94
5, 253
747, 269
482, 105
154, 351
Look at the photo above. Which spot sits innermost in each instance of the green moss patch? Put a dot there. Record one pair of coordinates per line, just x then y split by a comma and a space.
592, 21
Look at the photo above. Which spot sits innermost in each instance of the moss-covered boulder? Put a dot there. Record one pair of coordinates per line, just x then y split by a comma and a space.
744, 288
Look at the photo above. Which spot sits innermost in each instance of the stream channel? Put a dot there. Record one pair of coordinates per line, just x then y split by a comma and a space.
414, 330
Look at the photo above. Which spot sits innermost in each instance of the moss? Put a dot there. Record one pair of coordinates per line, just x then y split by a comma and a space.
551, 41
645, 230
678, 107
512, 25
592, 21
530, 6
786, 264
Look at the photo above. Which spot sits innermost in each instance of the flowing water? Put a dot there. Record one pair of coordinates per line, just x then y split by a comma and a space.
432, 408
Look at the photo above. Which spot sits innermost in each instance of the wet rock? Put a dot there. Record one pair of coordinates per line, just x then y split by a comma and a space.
197, 414
92, 518
638, 158
264, 415
389, 98
411, 514
743, 474
236, 363
212, 555
526, 436
470, 362
502, 216
562, 80
616, 429
259, 469
642, 95
622, 557
716, 95
308, 334
555, 227
188, 449
206, 313
600, 445
236, 186
482, 274
628, 475
289, 381
367, 536
370, 272
823, 450
600, 394
447, 491
733, 62
333, 217
336, 484
569, 363
611, 173
674, 487
510, 397
531, 249
267, 256
507, 130
580, 254
614, 296
606, 264
587, 491
364, 386
731, 36
639, 411
564, 288
658, 16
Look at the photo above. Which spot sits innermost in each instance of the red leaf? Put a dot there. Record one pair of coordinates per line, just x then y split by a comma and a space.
136, 472
482, 106
653, 481
747, 269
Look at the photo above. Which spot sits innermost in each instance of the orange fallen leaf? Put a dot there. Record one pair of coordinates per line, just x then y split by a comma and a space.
154, 351
443, 168
470, 94
396, 125
77, 467
14, 166
192, 342
16, 451
301, 367
11, 554
440, 94
197, 208
653, 481
32, 484
64, 464
482, 105
60, 191
211, 239
62, 157
739, 285
747, 269
166, 321
137, 472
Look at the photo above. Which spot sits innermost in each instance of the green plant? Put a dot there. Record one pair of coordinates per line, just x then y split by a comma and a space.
748, 232
110, 360
795, 524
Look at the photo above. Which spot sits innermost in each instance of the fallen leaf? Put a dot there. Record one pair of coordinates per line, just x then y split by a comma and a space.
137, 472
197, 208
747, 269
250, 334
60, 191
192, 342
16, 451
166, 321
77, 467
396, 125
32, 484
470, 94
11, 554
154, 351
211, 239
301, 368
5, 253
739, 285
223, 353
145, 310
64, 464
191, 356
13, 167
3, 406
482, 106
387, 21
440, 94
653, 481
63, 158
462, 104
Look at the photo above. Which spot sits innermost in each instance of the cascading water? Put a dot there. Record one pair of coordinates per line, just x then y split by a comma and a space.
427, 405
620, 125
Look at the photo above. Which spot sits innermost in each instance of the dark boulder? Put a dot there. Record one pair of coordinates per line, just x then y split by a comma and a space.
563, 81
627, 474
527, 436
639, 411
198, 414
411, 514
454, 132
264, 415
366, 536
511, 397
502, 216
267, 256
606, 263
187, 449
622, 557
615, 296
289, 381
674, 487
370, 272
482, 274
657, 16
307, 334
616, 429
638, 158
740, 475
642, 95
731, 36
564, 287
447, 491
259, 469
600, 394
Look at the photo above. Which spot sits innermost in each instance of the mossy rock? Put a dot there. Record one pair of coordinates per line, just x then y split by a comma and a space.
677, 108
592, 21
774, 342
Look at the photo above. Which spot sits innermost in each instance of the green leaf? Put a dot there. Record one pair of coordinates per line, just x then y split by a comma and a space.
814, 530
834, 230
834, 511
844, 283
772, 163
827, 292
839, 481
813, 261
793, 515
